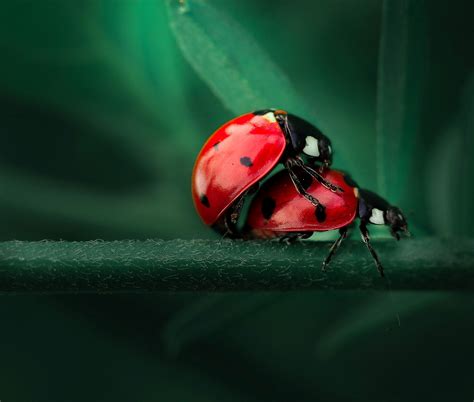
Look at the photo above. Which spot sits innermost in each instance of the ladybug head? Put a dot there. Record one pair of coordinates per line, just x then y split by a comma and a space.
377, 211
397, 222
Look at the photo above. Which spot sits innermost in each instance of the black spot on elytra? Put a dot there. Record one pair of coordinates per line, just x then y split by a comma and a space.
216, 145
246, 161
350, 181
268, 206
205, 201
320, 213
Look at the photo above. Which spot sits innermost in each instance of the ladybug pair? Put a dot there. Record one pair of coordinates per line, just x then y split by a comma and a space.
305, 197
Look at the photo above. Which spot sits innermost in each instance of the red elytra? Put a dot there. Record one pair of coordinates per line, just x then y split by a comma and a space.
279, 208
239, 154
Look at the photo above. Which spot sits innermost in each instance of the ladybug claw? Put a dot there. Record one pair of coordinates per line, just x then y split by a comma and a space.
330, 186
287, 240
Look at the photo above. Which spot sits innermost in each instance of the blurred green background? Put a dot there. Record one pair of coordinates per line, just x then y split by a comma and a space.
102, 115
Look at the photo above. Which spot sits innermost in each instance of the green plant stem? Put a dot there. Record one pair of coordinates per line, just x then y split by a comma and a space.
207, 265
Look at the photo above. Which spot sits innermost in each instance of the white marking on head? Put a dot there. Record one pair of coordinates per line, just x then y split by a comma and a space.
311, 147
377, 217
356, 192
330, 149
270, 116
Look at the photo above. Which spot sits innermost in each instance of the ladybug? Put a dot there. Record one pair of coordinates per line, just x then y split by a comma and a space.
278, 211
242, 152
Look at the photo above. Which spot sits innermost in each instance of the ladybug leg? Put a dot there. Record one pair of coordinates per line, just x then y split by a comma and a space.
237, 209
316, 175
292, 238
320, 208
366, 239
335, 247
230, 229
232, 217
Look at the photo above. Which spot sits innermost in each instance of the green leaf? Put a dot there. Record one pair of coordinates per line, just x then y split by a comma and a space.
230, 61
205, 265
451, 171
400, 83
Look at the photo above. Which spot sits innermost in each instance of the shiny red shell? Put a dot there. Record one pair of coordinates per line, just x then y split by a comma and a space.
278, 207
239, 154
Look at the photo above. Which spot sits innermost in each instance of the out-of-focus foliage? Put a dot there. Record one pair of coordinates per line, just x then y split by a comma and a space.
231, 62
401, 78
104, 107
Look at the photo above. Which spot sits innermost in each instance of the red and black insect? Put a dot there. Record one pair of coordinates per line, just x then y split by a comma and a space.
278, 211
244, 151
